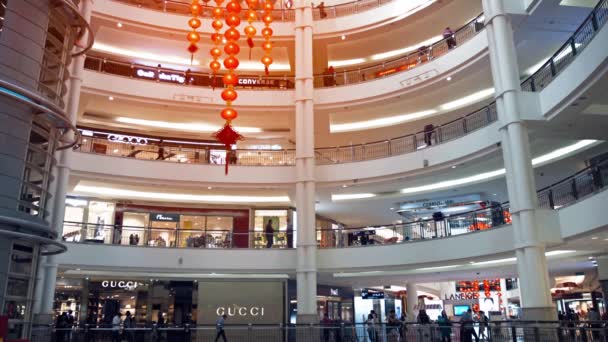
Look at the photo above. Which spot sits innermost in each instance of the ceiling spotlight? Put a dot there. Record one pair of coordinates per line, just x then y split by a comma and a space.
594, 238
453, 166
494, 195
590, 258
343, 37
392, 208
119, 24
111, 98
344, 186
115, 150
449, 78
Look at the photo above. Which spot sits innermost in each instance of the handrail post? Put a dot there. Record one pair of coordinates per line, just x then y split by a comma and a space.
390, 148
573, 46
464, 125
574, 190
551, 199
532, 83
552, 67
594, 23
488, 115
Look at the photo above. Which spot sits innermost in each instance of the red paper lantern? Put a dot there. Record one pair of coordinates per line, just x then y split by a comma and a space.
231, 63
232, 48
216, 52
229, 114
233, 20
194, 37
267, 32
218, 12
196, 9
229, 95
192, 48
215, 66
250, 31
216, 38
230, 79
194, 23
266, 60
233, 7
217, 24
232, 34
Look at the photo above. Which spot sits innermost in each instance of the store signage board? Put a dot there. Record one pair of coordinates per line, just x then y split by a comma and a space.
119, 284
127, 139
163, 76
444, 202
161, 217
261, 82
334, 292
372, 294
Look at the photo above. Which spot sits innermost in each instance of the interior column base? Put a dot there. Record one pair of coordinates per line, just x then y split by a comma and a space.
539, 314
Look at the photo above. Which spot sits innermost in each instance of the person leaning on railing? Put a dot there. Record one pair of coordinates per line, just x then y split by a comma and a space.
448, 35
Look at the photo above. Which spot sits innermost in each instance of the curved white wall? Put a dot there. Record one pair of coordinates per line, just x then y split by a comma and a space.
151, 170
360, 93
424, 75
579, 218
365, 20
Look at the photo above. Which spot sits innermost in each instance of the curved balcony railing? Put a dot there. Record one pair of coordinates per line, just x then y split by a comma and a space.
280, 14
183, 151
411, 60
578, 186
340, 329
566, 54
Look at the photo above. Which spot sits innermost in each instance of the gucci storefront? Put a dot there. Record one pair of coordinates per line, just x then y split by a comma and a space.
173, 302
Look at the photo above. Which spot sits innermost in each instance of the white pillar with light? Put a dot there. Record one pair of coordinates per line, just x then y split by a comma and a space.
305, 164
62, 169
521, 185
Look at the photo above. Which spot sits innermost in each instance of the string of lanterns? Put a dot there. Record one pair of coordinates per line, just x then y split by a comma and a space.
267, 34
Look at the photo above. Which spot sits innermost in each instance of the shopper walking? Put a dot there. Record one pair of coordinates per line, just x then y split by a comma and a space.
445, 327
116, 328
467, 327
128, 325
269, 232
448, 35
372, 319
424, 330
61, 324
219, 327
483, 324
594, 319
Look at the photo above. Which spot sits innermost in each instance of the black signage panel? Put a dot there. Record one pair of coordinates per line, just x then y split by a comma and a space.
164, 217
372, 294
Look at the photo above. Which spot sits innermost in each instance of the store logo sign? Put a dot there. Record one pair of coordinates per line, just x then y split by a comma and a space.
462, 296
334, 292
241, 311
121, 284
164, 217
127, 139
171, 77
146, 73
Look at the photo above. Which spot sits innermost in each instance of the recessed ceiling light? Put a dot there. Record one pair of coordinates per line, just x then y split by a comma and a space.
344, 186
343, 197
209, 188
471, 262
453, 166
590, 258
449, 78
115, 150
594, 238
111, 98
494, 194
119, 24
392, 208
343, 37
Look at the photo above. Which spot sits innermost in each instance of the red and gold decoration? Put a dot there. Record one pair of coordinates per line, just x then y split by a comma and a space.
267, 34
193, 36
250, 16
227, 135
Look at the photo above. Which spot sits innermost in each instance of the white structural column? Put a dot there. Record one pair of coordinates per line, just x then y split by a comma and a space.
530, 249
412, 300
62, 170
305, 164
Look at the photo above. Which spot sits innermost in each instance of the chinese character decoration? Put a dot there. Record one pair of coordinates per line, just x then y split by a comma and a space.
267, 34
227, 135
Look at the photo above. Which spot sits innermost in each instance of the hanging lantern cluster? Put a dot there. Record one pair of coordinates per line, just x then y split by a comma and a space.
216, 38
193, 36
251, 16
267, 34
227, 135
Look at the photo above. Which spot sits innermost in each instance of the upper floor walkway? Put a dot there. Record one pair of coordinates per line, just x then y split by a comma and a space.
569, 209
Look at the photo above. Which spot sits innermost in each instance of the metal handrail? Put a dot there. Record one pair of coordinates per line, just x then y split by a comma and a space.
341, 77
571, 189
282, 14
